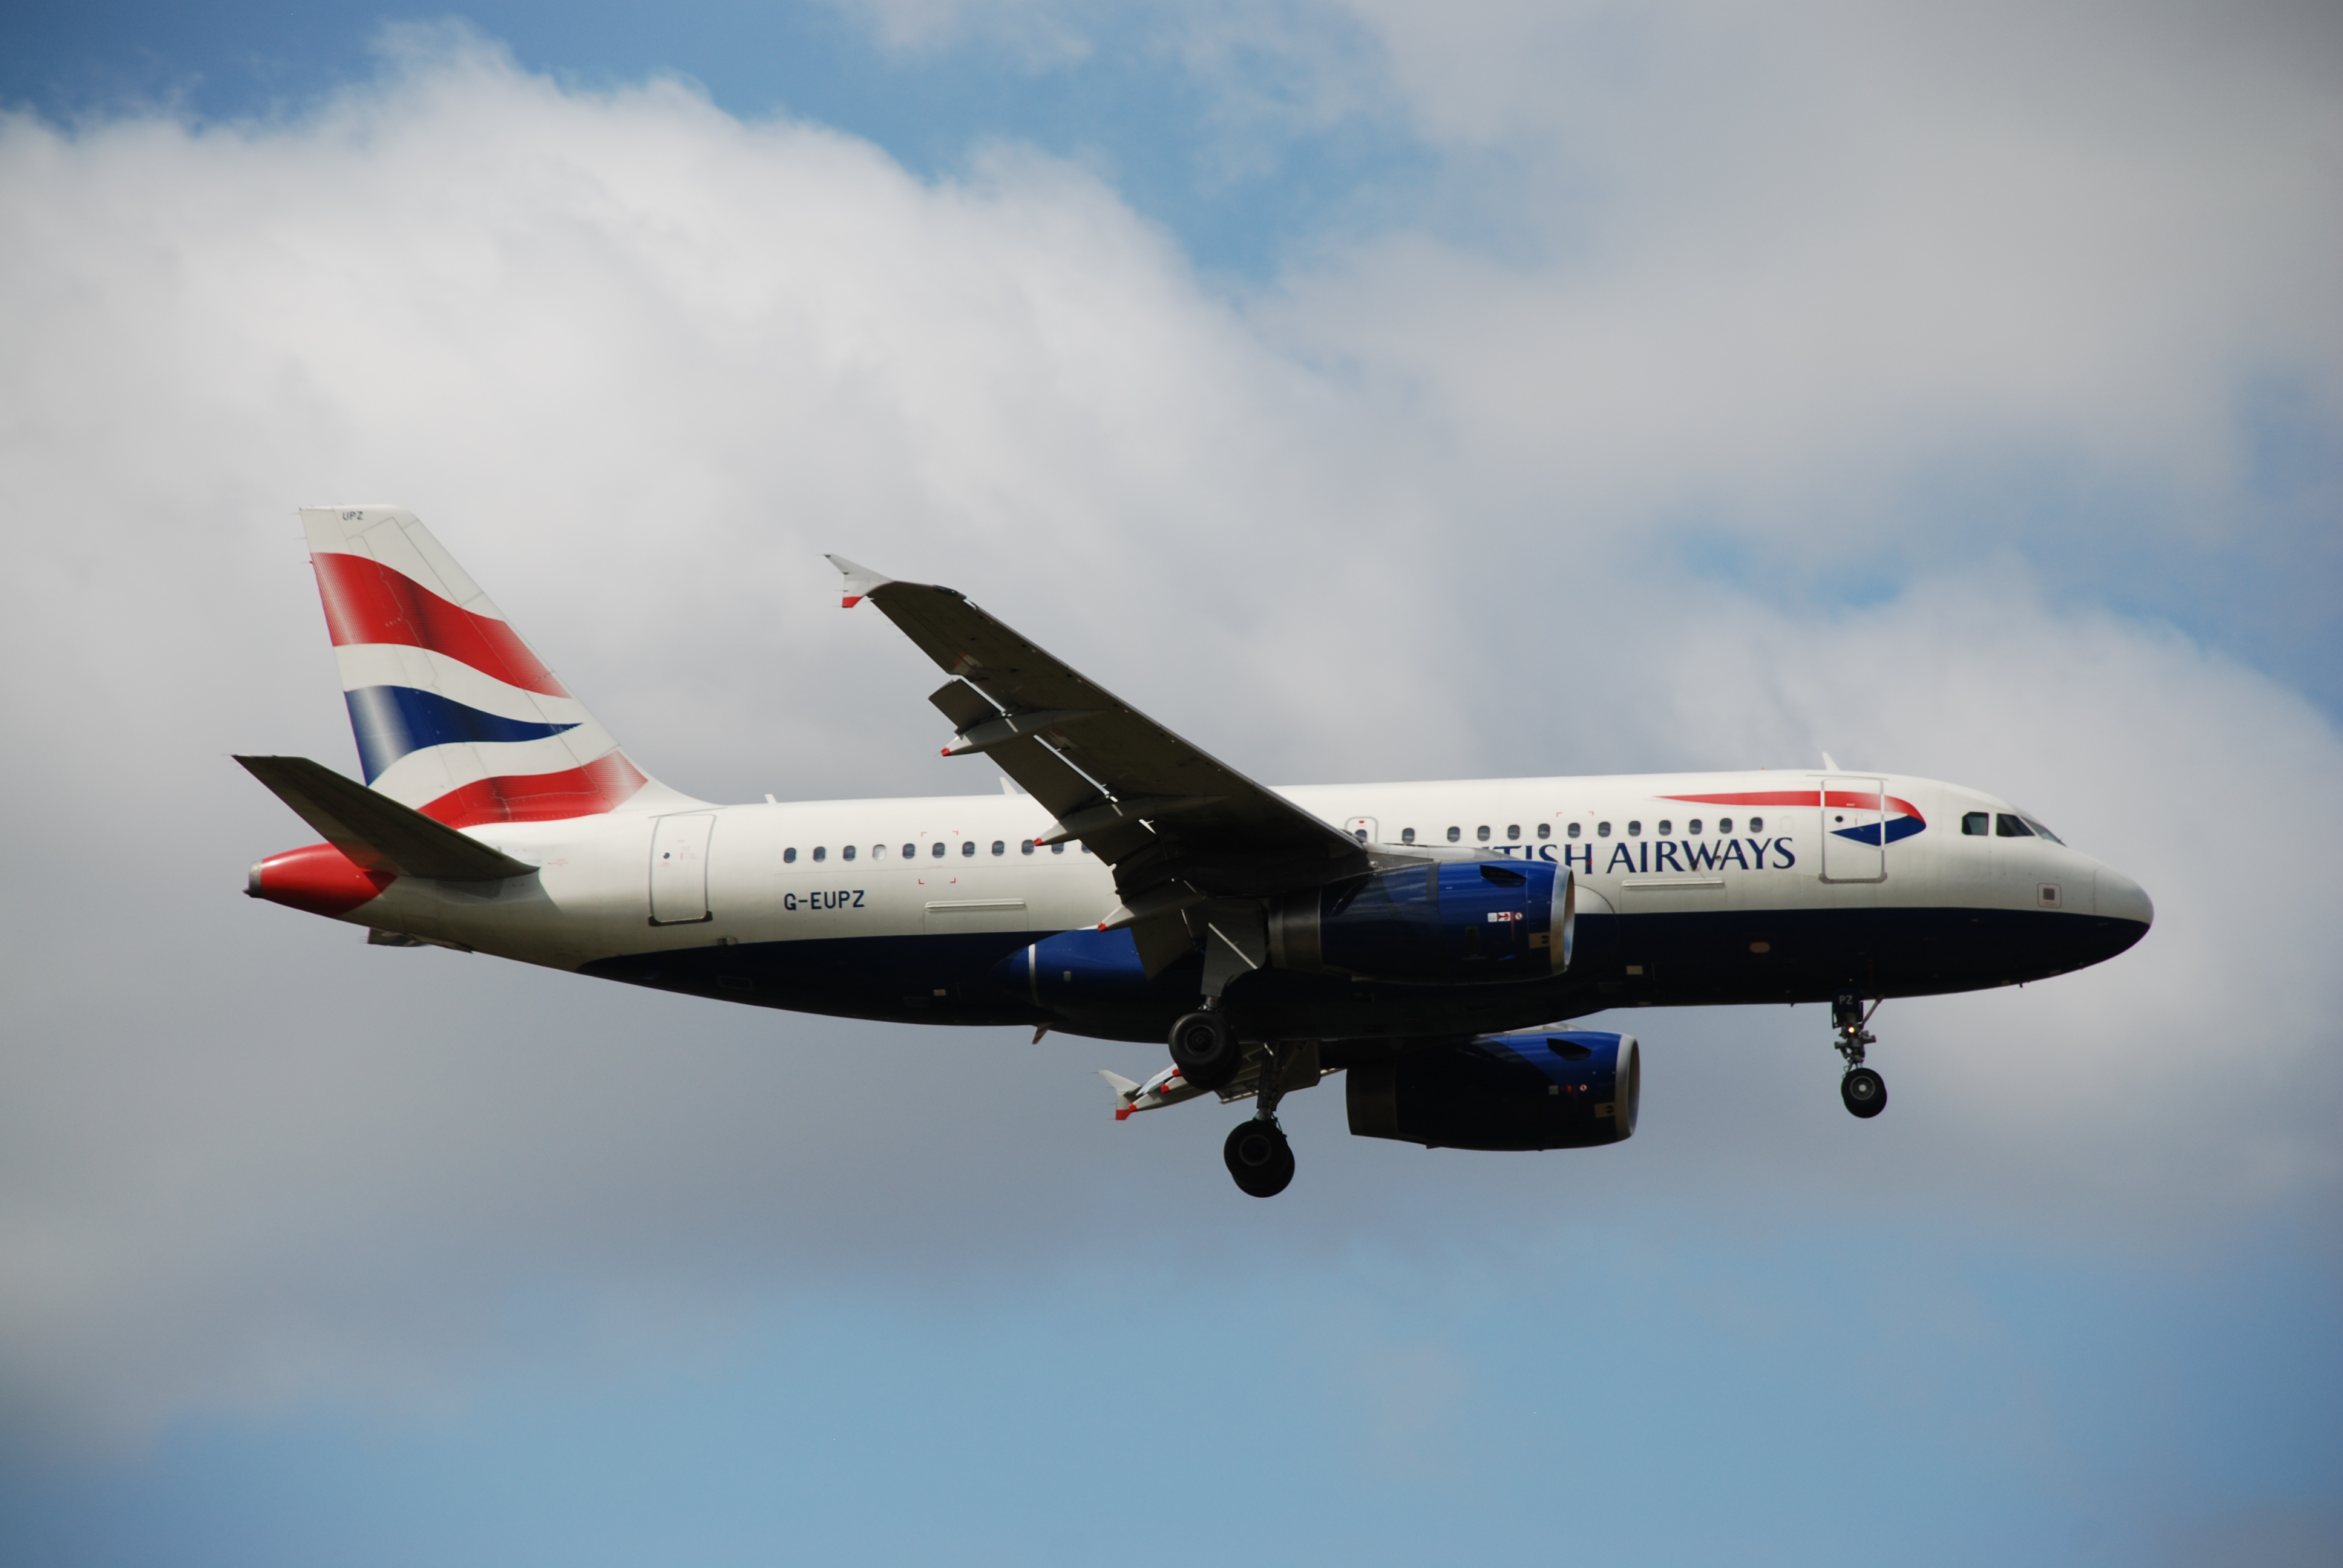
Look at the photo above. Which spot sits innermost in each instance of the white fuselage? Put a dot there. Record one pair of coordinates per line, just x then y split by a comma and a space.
947, 865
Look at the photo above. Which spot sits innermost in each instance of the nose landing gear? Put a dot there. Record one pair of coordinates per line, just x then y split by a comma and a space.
1862, 1091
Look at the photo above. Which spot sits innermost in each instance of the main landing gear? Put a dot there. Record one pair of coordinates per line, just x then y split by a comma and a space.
1204, 1049
1208, 1055
1862, 1091
1257, 1153
1259, 1157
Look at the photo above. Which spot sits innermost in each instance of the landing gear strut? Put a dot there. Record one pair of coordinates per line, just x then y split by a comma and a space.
1862, 1091
1257, 1153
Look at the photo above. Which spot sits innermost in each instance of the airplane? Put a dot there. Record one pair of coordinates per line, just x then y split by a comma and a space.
1430, 942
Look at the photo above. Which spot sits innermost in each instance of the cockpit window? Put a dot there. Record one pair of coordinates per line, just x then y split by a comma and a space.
1977, 824
2041, 830
2006, 826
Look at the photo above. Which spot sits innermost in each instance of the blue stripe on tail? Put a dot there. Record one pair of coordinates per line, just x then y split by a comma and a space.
393, 720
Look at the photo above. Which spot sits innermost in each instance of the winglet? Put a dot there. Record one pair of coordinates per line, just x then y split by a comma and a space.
1125, 1092
1830, 763
859, 581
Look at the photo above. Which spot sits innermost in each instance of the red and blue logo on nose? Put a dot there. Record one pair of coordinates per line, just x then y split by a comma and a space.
1901, 819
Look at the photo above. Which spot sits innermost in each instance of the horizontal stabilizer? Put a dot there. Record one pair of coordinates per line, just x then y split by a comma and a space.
375, 832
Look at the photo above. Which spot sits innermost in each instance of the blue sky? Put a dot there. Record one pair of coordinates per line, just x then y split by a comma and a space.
1544, 389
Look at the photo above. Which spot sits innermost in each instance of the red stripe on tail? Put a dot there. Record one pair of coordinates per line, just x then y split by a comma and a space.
366, 601
602, 785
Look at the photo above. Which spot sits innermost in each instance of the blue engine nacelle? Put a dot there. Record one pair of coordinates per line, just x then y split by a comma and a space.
1562, 1089
1446, 924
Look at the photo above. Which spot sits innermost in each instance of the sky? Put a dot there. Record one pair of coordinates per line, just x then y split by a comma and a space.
1365, 391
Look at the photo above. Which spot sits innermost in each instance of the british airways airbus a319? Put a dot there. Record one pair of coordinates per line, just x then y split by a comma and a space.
1429, 941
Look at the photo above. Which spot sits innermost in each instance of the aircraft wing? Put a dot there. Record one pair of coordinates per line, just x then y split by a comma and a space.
1177, 824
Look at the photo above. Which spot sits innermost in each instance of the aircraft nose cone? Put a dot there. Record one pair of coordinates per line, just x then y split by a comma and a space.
2119, 898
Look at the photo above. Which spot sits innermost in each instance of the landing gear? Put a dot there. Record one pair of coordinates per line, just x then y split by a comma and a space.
1259, 1157
1205, 1050
1862, 1091
1257, 1153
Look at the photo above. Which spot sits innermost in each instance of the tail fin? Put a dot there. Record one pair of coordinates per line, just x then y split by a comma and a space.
455, 715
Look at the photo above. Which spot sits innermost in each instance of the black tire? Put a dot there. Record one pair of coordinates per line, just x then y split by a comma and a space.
1205, 1050
1259, 1158
1864, 1092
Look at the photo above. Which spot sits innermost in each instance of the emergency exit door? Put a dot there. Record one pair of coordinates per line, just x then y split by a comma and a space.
680, 869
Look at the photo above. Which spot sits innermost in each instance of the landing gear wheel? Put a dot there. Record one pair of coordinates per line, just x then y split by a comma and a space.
1204, 1049
1863, 1091
1259, 1157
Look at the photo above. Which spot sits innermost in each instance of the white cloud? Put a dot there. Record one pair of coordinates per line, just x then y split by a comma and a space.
638, 363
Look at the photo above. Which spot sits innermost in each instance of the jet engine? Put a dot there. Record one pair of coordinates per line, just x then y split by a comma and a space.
1561, 1090
1446, 924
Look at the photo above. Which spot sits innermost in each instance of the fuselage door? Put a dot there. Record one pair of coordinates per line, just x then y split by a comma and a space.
680, 869
1855, 830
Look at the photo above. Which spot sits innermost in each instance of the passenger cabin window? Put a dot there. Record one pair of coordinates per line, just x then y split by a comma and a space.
1545, 829
1977, 824
819, 853
911, 851
1454, 834
1057, 849
2006, 826
788, 857
936, 849
1512, 829
847, 853
1601, 829
878, 851
1000, 847
1573, 830
1481, 832
967, 847
1635, 829
1756, 824
1693, 827
1025, 846
1407, 835
1724, 825
1667, 828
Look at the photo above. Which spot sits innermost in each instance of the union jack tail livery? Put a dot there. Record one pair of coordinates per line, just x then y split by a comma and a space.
454, 716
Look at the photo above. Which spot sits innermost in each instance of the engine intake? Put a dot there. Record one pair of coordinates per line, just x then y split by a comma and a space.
1445, 923
1564, 1090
